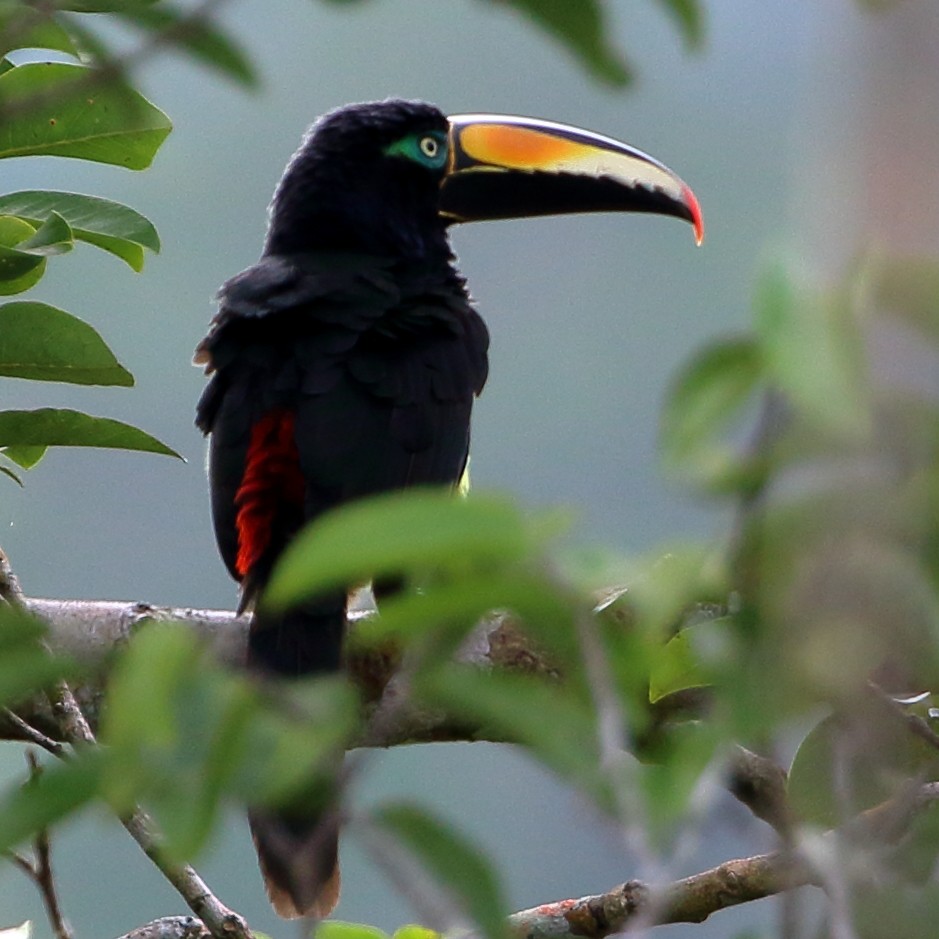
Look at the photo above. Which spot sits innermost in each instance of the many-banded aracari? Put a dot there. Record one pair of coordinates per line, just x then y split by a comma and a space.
345, 362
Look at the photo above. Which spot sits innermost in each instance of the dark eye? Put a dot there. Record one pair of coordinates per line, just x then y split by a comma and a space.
430, 146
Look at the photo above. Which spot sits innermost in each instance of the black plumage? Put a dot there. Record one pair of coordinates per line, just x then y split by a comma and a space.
344, 363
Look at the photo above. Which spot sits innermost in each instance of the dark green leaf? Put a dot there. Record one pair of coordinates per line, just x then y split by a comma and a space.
397, 533
108, 225
812, 349
709, 393
54, 427
101, 6
54, 795
196, 35
45, 343
451, 861
689, 15
10, 474
54, 109
27, 457
581, 29
26, 27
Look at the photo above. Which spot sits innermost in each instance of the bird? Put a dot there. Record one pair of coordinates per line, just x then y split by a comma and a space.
346, 361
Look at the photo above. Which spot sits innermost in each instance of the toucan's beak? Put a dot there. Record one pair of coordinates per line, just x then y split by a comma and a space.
513, 167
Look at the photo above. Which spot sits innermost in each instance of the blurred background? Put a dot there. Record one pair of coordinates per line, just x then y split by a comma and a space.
806, 127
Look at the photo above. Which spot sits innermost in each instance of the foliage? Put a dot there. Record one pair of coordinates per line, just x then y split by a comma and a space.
817, 611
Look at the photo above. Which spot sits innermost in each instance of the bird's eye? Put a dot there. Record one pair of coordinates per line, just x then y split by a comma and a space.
429, 149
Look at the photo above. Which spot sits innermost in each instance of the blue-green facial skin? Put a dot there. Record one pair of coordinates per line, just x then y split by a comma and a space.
428, 149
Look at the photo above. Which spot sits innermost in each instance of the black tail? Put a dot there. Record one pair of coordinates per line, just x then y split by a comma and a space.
298, 847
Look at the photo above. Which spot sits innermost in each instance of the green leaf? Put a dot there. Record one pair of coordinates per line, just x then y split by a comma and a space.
54, 427
877, 756
813, 351
548, 719
689, 15
397, 533
60, 790
881, 911
100, 6
26, 666
26, 457
108, 225
25, 27
54, 109
19, 270
54, 236
709, 393
581, 29
196, 35
451, 861
45, 343
453, 606
677, 667
413, 931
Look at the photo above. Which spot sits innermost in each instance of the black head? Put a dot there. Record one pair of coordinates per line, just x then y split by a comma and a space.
365, 178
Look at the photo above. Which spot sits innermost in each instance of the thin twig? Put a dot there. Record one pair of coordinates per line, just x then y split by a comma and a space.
34, 736
39, 871
221, 922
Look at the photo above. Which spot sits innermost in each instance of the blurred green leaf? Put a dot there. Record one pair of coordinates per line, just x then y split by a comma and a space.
51, 797
397, 533
108, 225
689, 15
59, 427
26, 27
450, 607
294, 742
548, 718
25, 664
412, 931
174, 733
54, 109
198, 36
877, 756
812, 349
45, 343
336, 929
908, 288
894, 910
581, 29
454, 864
708, 394
682, 755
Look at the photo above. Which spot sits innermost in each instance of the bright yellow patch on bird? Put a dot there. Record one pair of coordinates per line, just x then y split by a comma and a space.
519, 147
